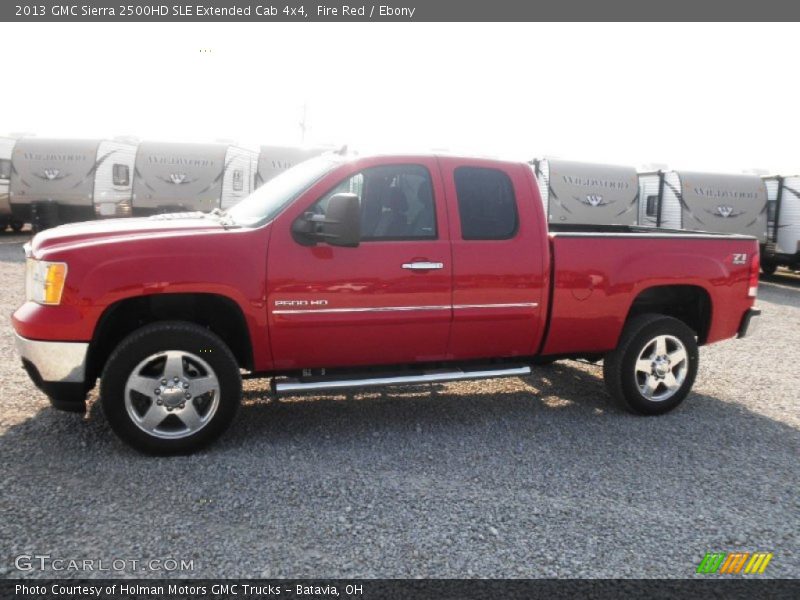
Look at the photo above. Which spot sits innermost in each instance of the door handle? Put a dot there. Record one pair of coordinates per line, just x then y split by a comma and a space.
423, 266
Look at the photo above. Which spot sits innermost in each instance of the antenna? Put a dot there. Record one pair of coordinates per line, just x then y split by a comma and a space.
303, 125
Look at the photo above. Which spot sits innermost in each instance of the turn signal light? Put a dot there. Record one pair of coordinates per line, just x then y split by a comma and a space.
54, 282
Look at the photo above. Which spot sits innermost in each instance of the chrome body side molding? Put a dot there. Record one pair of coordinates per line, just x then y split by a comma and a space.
298, 311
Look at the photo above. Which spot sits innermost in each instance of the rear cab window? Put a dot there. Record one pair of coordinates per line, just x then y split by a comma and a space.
487, 206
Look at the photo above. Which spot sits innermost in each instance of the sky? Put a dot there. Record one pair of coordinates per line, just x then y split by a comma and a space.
710, 97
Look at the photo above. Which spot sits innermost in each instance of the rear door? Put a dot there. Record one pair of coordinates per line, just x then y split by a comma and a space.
499, 248
387, 301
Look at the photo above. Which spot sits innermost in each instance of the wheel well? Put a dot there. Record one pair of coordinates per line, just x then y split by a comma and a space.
688, 303
219, 314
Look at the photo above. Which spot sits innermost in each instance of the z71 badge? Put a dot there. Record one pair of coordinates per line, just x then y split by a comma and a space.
740, 259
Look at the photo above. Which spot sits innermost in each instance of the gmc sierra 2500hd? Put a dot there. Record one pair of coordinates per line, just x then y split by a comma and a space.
350, 272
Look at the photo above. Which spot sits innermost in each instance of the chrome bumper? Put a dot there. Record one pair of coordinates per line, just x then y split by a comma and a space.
55, 361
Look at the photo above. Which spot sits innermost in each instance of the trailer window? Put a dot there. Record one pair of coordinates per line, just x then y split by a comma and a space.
651, 207
486, 204
238, 180
396, 202
121, 174
5, 168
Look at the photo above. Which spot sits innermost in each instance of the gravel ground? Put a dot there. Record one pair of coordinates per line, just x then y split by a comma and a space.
523, 477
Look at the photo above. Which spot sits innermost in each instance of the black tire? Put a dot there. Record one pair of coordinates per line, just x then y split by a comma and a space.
16, 226
768, 268
620, 366
186, 340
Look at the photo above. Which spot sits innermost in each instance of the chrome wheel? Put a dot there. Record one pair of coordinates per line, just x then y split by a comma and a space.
661, 368
172, 394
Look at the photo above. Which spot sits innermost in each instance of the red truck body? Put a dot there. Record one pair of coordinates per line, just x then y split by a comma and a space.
563, 293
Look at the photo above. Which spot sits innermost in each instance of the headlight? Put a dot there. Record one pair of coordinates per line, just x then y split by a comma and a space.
44, 281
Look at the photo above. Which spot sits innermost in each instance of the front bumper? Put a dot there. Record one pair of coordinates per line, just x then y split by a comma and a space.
55, 361
58, 369
749, 323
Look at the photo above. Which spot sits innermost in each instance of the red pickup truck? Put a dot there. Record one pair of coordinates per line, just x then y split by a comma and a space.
350, 272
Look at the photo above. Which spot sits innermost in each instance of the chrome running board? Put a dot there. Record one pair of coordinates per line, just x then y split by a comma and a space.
297, 385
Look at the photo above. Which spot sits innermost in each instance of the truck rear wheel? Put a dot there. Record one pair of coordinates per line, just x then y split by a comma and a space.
170, 388
654, 365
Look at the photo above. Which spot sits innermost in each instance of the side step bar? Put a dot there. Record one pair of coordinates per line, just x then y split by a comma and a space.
297, 385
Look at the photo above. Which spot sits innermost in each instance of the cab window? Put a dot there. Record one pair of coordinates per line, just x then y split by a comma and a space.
396, 202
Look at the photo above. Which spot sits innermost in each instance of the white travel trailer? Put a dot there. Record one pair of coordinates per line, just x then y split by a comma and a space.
6, 147
651, 186
782, 246
113, 182
60, 181
238, 181
575, 192
276, 159
704, 202
174, 177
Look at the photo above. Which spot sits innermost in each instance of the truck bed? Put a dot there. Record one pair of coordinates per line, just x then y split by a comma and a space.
594, 285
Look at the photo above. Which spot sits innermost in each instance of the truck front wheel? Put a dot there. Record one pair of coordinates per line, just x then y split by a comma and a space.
654, 365
170, 388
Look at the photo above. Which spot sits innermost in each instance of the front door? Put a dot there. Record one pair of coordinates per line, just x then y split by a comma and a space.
387, 301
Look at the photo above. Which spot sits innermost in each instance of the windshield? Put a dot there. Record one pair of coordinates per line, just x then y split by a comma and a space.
271, 198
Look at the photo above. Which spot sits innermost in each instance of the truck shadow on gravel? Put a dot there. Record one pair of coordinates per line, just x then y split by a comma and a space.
501, 478
563, 395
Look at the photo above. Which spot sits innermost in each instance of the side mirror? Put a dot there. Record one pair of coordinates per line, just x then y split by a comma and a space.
339, 226
342, 223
